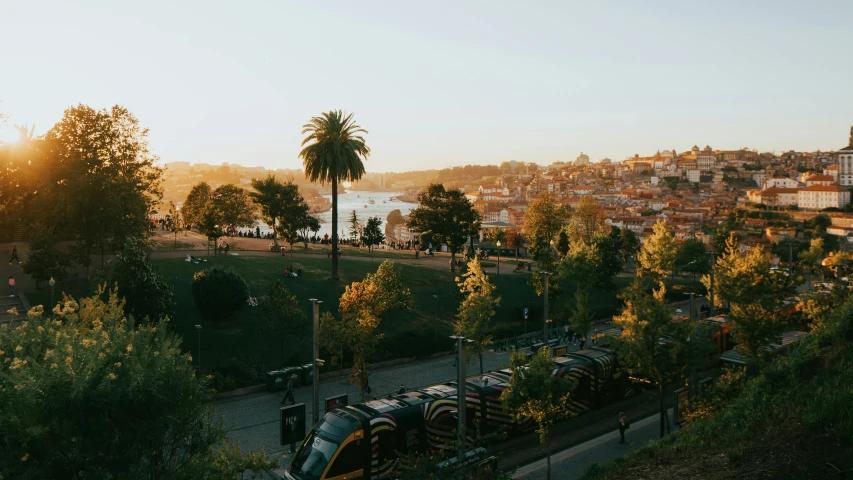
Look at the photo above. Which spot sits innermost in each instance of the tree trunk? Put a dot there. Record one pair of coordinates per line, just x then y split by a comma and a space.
662, 410
453, 261
481, 362
335, 235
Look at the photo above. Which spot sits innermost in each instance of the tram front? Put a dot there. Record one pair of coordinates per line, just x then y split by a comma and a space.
333, 450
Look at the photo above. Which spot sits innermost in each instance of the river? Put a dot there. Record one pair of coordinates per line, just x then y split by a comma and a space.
360, 202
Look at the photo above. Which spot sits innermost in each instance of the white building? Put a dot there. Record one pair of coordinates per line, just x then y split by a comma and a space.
825, 180
706, 160
845, 163
818, 197
693, 175
780, 182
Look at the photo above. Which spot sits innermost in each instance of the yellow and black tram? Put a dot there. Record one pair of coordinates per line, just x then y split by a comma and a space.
361, 441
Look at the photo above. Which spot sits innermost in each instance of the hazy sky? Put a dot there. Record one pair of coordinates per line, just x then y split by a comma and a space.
440, 83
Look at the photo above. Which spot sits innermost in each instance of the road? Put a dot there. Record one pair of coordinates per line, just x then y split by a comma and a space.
572, 462
253, 420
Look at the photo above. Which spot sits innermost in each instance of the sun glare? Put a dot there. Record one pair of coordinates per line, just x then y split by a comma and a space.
9, 135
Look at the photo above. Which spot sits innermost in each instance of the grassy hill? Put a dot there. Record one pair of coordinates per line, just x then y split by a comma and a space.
794, 421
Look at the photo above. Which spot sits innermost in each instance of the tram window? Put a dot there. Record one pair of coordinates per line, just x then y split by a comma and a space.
346, 461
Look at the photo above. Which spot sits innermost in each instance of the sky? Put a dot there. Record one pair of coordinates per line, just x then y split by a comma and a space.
440, 83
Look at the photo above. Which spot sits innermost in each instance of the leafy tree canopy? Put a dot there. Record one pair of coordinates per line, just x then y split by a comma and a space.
447, 216
87, 393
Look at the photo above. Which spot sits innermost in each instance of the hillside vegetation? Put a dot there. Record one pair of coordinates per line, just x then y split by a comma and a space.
794, 420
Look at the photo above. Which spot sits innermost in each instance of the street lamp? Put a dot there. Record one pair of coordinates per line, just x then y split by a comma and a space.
316, 357
435, 323
198, 329
461, 395
545, 312
499, 257
52, 284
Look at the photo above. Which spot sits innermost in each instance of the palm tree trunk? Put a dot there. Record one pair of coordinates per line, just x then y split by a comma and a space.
335, 232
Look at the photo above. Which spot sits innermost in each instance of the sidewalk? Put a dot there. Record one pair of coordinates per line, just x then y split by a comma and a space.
572, 462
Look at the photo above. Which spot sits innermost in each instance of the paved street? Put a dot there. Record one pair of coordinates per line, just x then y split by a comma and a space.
253, 420
572, 462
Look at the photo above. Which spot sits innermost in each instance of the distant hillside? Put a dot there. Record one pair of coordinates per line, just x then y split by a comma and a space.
795, 421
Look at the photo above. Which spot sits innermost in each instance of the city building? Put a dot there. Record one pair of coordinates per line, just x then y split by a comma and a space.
845, 162
818, 197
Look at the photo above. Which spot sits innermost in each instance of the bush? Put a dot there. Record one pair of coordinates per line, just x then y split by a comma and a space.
219, 292
146, 294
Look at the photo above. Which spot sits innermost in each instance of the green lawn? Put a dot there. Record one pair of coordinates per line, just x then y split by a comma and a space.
236, 348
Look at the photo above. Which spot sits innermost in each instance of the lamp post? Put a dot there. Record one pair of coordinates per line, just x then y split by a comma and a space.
198, 329
316, 357
499, 257
52, 284
435, 323
545, 312
461, 393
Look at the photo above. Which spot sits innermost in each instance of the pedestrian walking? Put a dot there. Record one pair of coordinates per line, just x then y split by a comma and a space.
288, 393
11, 286
623, 425
14, 255
583, 341
401, 390
227, 247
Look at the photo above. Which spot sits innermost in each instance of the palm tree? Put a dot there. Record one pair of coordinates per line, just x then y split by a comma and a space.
333, 154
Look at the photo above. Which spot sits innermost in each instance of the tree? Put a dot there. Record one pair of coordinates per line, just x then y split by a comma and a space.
630, 244
562, 245
392, 220
812, 257
146, 295
652, 345
361, 307
477, 308
100, 180
447, 216
235, 206
46, 259
282, 316
657, 255
272, 198
131, 403
543, 220
582, 264
308, 224
210, 224
692, 257
499, 235
755, 296
372, 234
293, 217
582, 318
514, 240
333, 154
196, 203
354, 228
610, 248
533, 393
174, 221
587, 220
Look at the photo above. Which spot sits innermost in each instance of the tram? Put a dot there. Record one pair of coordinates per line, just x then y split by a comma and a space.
361, 441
